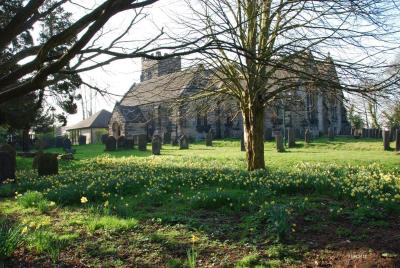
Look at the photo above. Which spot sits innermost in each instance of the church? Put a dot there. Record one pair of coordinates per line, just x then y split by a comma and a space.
161, 104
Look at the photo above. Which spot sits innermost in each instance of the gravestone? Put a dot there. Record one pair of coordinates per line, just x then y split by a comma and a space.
67, 145
242, 145
121, 142
291, 138
268, 134
59, 142
386, 140
156, 145
364, 132
104, 138
82, 140
307, 136
142, 142
331, 134
129, 144
279, 142
167, 137
209, 138
7, 167
174, 141
47, 164
183, 142
111, 144
13, 154
398, 140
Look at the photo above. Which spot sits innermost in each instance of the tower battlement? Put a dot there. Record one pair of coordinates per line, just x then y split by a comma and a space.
154, 68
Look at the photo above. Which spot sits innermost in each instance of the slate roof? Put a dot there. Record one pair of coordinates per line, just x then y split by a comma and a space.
98, 120
131, 113
159, 89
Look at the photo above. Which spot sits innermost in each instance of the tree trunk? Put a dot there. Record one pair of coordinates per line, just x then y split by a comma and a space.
253, 124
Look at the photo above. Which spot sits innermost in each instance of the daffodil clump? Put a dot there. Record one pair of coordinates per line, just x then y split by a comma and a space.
203, 183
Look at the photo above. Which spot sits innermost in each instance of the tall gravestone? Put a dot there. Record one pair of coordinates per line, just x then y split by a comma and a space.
129, 144
183, 142
7, 167
386, 140
291, 138
67, 145
242, 145
209, 138
47, 164
398, 140
331, 134
121, 142
156, 145
279, 142
82, 140
111, 144
142, 142
167, 137
307, 136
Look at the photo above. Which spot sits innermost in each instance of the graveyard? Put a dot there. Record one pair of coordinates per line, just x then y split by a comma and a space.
322, 202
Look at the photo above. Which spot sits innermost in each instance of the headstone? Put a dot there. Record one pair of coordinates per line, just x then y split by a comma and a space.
183, 142
142, 142
291, 138
279, 142
364, 132
111, 144
67, 144
167, 137
129, 144
331, 134
386, 140
121, 142
209, 138
82, 140
47, 164
242, 145
398, 140
268, 134
156, 145
174, 141
59, 142
104, 138
7, 167
307, 136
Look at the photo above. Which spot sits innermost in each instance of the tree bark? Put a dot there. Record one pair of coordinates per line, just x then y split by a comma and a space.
253, 124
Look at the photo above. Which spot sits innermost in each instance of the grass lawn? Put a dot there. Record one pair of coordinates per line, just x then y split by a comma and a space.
327, 204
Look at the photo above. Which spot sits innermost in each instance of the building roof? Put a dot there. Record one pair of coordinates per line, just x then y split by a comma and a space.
98, 120
164, 88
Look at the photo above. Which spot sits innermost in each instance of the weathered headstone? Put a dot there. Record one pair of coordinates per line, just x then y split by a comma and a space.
174, 141
121, 142
307, 136
82, 140
398, 140
129, 144
13, 154
167, 137
104, 138
156, 145
67, 145
386, 140
183, 142
331, 134
47, 164
111, 144
242, 145
59, 142
268, 134
209, 138
7, 167
279, 142
291, 138
142, 142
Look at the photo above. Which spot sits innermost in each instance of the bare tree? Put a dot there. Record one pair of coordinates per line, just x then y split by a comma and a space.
75, 49
261, 50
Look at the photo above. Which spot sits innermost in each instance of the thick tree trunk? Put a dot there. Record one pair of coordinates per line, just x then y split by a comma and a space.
253, 124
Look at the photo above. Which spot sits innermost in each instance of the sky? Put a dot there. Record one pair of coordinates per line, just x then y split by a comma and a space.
118, 77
